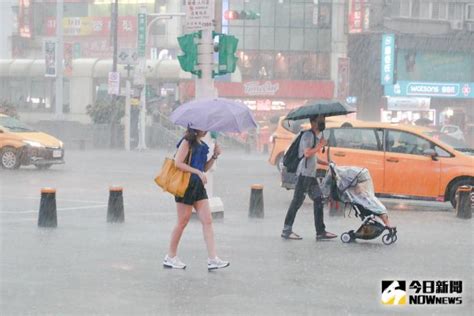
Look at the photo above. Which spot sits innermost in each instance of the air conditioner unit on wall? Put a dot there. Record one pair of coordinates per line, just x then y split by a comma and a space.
456, 24
470, 26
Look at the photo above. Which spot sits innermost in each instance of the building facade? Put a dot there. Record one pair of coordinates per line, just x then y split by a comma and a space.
414, 60
88, 52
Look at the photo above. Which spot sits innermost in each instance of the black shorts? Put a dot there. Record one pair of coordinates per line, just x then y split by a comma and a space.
195, 192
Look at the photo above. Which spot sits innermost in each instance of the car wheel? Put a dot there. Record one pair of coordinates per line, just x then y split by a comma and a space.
10, 158
454, 188
43, 167
279, 162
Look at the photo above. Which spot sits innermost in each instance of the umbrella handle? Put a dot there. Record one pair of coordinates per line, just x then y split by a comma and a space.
329, 155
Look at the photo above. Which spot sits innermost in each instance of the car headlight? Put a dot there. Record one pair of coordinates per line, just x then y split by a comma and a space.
33, 143
61, 144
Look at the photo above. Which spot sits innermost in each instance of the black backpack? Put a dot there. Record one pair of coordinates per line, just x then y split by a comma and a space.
291, 158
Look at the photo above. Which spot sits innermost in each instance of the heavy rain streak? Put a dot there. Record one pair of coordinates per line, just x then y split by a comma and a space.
236, 157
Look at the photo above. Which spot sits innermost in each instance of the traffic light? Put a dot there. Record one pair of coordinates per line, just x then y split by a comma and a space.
188, 61
242, 15
227, 49
231, 15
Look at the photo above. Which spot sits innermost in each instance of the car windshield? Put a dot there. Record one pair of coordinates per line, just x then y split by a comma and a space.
451, 141
14, 125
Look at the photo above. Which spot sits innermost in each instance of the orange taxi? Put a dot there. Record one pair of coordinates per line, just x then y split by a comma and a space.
404, 161
22, 145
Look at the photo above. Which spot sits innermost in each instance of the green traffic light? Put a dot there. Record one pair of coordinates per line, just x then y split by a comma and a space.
189, 60
227, 49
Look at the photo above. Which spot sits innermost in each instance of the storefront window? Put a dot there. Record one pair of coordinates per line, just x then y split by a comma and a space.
282, 17
281, 66
285, 42
267, 13
415, 8
324, 19
267, 38
296, 39
282, 38
251, 38
297, 14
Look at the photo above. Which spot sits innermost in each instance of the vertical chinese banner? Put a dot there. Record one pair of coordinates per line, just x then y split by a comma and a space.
342, 78
141, 35
68, 59
388, 59
25, 18
358, 19
49, 49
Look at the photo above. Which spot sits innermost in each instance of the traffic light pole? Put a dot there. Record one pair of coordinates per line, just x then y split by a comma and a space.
204, 90
205, 84
59, 60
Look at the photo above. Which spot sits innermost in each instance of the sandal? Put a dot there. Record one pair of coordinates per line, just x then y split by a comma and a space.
326, 236
291, 236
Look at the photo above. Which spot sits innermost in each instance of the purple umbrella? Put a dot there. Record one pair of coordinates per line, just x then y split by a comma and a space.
217, 115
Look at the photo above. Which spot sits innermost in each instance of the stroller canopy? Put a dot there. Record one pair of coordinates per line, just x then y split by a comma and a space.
353, 185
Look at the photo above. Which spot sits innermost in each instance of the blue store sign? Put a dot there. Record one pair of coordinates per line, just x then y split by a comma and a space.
430, 89
388, 59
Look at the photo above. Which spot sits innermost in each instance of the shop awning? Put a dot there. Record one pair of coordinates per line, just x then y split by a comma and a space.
4, 67
20, 67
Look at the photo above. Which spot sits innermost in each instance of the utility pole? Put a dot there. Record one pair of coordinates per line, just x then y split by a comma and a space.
143, 34
114, 27
59, 59
142, 38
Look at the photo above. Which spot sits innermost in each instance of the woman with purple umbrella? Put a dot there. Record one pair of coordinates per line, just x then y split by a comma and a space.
192, 156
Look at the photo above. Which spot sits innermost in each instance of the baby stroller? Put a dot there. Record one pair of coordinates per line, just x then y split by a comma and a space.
353, 186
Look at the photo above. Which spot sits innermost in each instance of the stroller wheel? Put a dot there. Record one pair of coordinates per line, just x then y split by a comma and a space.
389, 239
394, 238
346, 238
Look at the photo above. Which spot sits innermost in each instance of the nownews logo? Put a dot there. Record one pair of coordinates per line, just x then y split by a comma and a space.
427, 292
394, 292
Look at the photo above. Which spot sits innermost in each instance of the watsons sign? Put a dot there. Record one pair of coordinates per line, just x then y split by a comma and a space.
433, 89
430, 89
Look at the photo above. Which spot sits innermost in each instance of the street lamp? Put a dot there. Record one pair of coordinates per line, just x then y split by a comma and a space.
157, 16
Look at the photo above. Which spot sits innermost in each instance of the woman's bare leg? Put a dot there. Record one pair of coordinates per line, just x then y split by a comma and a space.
184, 214
204, 213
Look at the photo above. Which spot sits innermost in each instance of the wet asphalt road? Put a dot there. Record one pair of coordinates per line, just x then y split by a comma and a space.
86, 266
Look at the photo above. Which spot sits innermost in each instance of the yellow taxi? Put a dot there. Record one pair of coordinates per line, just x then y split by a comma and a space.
404, 161
22, 145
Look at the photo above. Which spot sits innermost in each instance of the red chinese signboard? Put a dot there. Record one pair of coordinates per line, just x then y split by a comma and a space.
358, 19
285, 89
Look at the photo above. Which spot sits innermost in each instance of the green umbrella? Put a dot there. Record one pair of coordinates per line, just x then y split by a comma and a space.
325, 108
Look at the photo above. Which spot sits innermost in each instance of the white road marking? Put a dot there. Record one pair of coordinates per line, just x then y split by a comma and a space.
39, 198
58, 209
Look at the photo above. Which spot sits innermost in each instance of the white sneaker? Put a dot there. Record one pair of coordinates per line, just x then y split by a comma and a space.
216, 263
174, 263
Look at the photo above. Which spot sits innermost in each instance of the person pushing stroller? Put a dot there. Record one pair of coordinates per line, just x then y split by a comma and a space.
311, 142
